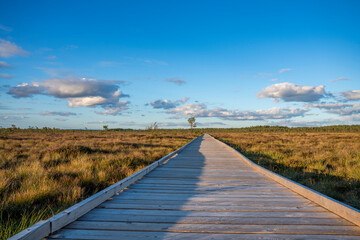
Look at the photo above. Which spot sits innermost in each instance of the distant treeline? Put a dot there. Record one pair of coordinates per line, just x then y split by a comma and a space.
334, 128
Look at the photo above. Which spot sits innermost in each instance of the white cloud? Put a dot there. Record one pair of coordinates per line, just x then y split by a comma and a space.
168, 104
63, 114
200, 110
273, 79
337, 108
5, 75
340, 79
78, 92
285, 70
175, 80
351, 95
9, 49
290, 92
4, 64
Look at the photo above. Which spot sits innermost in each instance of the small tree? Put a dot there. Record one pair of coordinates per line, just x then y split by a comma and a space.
192, 123
105, 127
153, 126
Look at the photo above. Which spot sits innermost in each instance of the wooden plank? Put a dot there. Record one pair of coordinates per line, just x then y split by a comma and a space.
225, 202
130, 235
214, 220
204, 198
211, 188
216, 228
193, 207
169, 195
216, 192
262, 214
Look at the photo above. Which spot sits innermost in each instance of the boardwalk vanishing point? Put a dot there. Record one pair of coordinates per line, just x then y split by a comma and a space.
205, 190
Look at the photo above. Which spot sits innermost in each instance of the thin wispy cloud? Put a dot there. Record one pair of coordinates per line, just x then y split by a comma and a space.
340, 79
62, 114
289, 92
51, 57
5, 28
5, 75
9, 49
147, 61
110, 63
4, 64
342, 109
175, 80
285, 70
263, 75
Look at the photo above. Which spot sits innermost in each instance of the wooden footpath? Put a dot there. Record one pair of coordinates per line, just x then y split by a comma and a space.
208, 191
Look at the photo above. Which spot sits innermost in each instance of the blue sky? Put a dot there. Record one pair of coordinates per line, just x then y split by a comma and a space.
127, 64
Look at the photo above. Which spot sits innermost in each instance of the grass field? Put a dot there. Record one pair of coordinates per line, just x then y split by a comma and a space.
43, 172
327, 162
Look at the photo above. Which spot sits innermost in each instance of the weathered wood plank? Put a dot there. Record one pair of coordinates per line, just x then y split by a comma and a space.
215, 228
192, 207
214, 219
262, 214
130, 235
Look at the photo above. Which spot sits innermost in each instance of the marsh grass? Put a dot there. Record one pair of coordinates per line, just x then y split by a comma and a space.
326, 162
45, 172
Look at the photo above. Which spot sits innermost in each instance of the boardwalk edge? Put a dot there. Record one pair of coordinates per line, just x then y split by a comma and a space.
343, 210
46, 227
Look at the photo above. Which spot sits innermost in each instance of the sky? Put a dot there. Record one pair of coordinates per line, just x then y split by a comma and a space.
128, 64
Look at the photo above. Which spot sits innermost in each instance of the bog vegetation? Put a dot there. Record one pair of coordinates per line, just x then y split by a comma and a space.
44, 171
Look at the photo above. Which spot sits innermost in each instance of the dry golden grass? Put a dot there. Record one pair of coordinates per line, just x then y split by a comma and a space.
326, 162
42, 173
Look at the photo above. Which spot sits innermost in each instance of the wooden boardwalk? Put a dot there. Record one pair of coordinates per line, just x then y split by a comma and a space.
208, 192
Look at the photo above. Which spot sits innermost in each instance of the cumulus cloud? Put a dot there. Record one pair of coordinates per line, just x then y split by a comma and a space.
168, 104
9, 49
290, 92
351, 95
285, 70
337, 108
4, 64
340, 79
63, 114
176, 80
5, 75
200, 110
78, 92
26, 90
